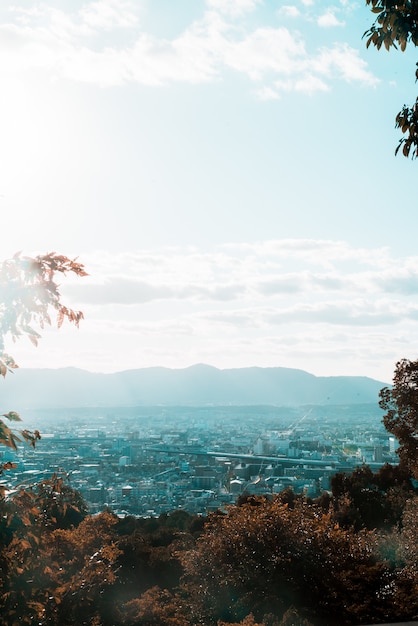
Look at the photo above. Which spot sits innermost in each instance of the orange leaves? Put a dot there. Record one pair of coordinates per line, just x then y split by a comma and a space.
7, 466
7, 436
60, 317
159, 606
33, 339
28, 291
12, 416
73, 316
266, 551
37, 608
53, 262
25, 545
7, 364
31, 437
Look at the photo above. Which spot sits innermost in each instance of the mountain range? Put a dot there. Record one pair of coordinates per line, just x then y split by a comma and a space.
197, 385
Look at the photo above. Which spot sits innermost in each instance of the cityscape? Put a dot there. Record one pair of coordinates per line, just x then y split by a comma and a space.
146, 461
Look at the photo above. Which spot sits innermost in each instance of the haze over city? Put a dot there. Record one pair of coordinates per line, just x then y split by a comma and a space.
225, 170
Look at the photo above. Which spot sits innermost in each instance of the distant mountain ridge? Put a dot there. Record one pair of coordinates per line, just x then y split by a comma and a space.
197, 385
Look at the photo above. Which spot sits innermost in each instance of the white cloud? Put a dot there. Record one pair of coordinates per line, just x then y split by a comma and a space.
317, 252
233, 8
267, 271
329, 20
308, 84
268, 93
345, 62
345, 313
289, 11
129, 291
275, 302
82, 46
266, 50
109, 14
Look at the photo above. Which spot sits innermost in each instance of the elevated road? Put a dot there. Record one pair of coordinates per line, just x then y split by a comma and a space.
241, 456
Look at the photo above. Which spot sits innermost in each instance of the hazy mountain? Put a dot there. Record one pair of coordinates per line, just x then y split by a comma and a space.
196, 385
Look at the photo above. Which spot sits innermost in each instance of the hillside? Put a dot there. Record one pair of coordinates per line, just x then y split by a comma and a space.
196, 385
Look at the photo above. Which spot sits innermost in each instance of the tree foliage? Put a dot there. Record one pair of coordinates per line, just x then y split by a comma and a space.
401, 419
364, 499
267, 558
396, 25
263, 563
29, 293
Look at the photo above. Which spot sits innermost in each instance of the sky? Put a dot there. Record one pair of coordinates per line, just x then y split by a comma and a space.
224, 169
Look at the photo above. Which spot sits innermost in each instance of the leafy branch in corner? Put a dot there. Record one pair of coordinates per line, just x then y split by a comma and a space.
396, 26
28, 293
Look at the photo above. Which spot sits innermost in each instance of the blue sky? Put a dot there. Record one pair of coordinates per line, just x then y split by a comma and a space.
225, 169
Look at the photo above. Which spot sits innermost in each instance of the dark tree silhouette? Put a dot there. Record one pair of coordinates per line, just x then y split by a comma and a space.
401, 419
396, 25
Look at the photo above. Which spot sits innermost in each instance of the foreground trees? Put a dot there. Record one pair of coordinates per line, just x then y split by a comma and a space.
267, 562
401, 419
396, 25
265, 557
29, 293
364, 499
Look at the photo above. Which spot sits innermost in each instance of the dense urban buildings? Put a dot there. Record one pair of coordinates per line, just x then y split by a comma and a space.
149, 460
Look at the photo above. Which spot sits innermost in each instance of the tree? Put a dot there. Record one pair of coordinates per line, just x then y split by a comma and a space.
396, 25
267, 558
53, 573
155, 607
401, 405
28, 293
404, 548
364, 499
